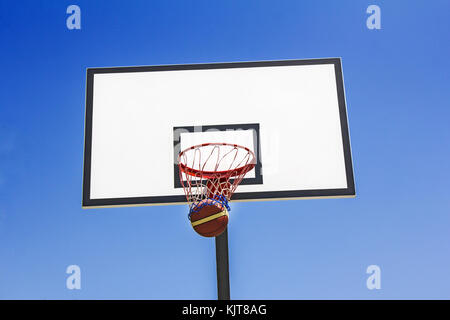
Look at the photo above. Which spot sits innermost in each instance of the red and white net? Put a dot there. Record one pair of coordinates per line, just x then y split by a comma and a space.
213, 171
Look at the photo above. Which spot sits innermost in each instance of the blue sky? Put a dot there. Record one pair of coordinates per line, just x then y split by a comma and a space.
398, 92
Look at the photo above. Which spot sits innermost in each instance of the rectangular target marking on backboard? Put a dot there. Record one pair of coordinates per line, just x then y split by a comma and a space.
246, 135
295, 108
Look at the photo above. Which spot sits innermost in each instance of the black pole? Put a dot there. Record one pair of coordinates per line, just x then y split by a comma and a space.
223, 275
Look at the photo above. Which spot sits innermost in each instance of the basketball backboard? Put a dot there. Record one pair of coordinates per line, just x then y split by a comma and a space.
291, 114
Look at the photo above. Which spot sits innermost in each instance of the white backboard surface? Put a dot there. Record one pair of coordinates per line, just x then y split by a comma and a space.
292, 114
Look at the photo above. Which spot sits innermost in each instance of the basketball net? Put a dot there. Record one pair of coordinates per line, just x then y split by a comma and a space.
213, 171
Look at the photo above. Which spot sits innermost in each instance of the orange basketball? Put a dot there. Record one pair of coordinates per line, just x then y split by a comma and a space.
211, 220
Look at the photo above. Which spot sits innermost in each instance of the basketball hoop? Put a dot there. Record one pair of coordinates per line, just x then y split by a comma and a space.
210, 174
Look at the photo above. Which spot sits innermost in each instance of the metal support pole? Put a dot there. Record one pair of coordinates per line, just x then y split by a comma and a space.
223, 275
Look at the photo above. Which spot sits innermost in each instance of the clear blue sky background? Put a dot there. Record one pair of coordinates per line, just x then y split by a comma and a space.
398, 93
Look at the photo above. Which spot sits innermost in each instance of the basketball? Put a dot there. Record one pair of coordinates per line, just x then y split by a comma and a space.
211, 219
